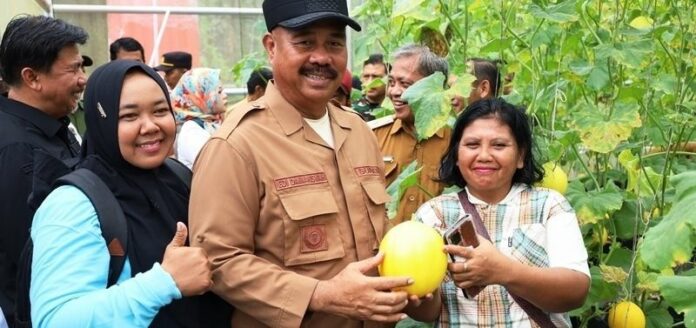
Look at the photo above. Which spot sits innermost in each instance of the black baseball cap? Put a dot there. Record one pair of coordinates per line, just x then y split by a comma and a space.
87, 61
294, 14
174, 59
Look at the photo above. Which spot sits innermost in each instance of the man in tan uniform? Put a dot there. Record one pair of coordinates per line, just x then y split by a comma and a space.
288, 196
396, 134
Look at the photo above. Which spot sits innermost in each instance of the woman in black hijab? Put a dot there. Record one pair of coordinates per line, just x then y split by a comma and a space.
129, 135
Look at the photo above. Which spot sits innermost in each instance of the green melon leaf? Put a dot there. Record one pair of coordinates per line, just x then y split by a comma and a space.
601, 134
679, 292
593, 206
407, 178
430, 103
657, 317
640, 180
672, 241
600, 290
560, 13
410, 9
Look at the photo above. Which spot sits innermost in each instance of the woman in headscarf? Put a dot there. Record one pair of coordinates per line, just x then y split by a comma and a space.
130, 132
199, 103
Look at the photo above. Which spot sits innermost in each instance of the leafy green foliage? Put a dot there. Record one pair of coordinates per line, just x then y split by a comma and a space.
611, 88
375, 83
600, 291
560, 13
641, 180
602, 135
594, 205
406, 179
657, 315
242, 70
410, 323
429, 103
679, 292
672, 241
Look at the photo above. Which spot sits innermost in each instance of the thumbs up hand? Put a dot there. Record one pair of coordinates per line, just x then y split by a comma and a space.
180, 236
188, 266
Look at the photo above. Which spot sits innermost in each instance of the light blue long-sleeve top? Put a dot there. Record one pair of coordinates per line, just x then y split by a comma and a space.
3, 323
70, 270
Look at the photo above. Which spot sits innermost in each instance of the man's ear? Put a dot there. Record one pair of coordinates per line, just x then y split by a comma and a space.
485, 89
269, 44
31, 78
259, 90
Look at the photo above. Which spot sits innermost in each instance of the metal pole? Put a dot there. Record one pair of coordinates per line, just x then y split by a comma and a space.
154, 57
174, 10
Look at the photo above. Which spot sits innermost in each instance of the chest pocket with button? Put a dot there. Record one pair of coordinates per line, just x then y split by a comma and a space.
310, 227
528, 244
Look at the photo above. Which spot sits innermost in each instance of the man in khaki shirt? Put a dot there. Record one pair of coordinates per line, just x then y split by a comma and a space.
288, 196
396, 135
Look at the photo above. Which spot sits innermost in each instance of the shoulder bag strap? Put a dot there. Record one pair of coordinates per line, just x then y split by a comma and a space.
536, 314
180, 170
111, 218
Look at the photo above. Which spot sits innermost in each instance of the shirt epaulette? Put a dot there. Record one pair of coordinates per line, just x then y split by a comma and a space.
380, 122
235, 117
348, 109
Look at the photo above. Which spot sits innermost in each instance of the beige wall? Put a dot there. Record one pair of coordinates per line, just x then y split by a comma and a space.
11, 8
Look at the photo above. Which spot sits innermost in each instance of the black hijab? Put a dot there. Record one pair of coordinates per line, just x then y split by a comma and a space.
152, 200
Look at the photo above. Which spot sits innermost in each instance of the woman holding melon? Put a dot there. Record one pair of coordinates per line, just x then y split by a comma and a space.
530, 266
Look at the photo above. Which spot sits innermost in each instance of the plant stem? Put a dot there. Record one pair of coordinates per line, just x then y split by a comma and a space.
584, 166
558, 78
590, 28
683, 153
452, 23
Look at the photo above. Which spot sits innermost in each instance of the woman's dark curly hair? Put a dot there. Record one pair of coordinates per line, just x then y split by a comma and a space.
509, 114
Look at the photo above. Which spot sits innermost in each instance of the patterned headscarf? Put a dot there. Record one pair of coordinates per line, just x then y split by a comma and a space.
195, 95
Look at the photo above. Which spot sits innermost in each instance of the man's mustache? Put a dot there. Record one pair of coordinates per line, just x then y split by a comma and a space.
319, 70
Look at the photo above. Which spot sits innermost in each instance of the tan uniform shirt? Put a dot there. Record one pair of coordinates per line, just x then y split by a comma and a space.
399, 148
277, 210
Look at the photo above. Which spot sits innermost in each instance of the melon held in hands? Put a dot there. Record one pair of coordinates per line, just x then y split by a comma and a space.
414, 249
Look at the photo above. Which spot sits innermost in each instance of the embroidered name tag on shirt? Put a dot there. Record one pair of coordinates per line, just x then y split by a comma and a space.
313, 238
300, 180
367, 170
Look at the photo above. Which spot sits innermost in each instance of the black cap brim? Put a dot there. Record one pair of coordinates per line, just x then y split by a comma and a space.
163, 68
87, 61
307, 19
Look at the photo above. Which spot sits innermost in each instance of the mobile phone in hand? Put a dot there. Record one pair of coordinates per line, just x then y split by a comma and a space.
463, 233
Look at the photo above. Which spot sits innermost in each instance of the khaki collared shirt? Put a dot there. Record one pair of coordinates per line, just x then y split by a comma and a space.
240, 104
277, 209
400, 148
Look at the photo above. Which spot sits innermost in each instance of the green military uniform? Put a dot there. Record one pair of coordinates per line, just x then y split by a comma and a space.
365, 108
77, 118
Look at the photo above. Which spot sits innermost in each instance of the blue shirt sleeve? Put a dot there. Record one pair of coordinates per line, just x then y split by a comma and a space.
70, 268
3, 323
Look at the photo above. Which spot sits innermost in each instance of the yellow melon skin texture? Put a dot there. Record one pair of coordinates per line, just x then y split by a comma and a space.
554, 178
626, 314
413, 249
